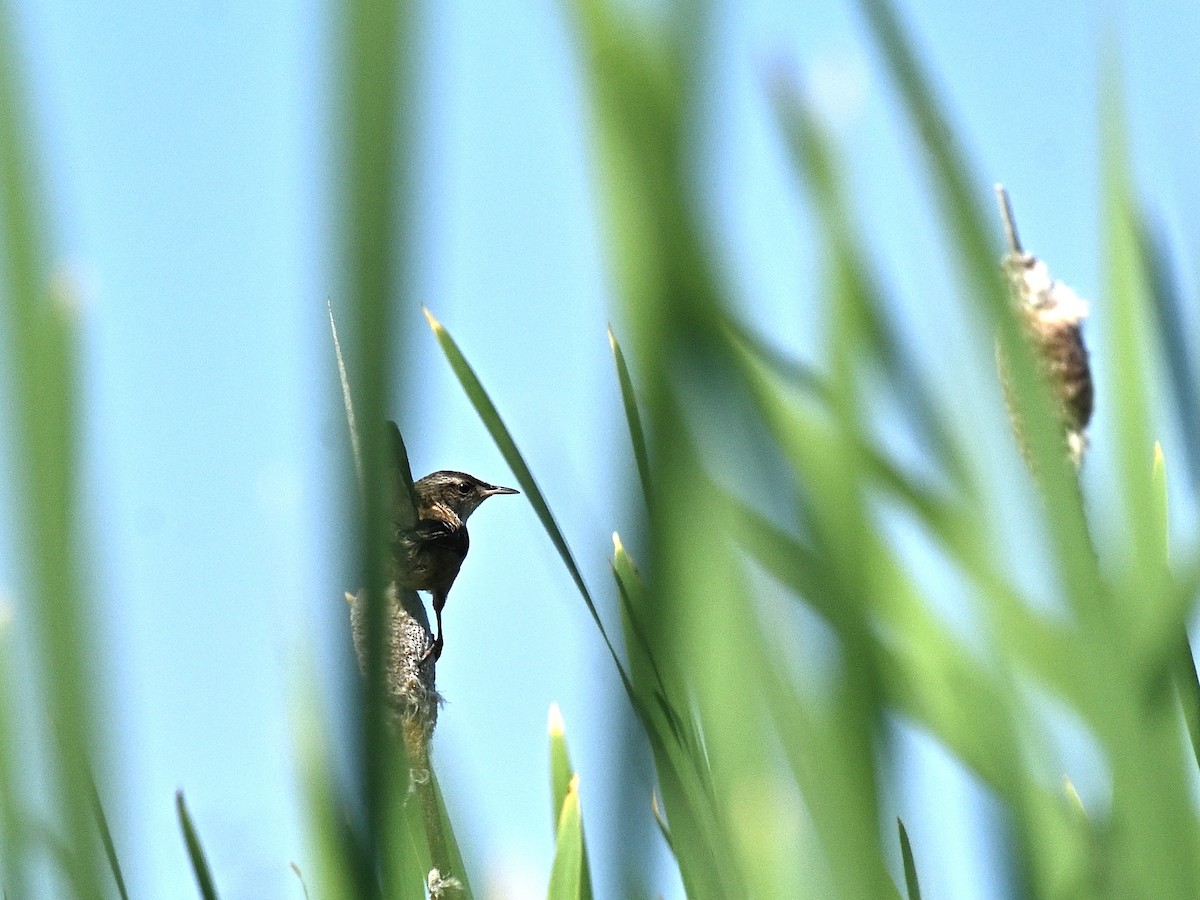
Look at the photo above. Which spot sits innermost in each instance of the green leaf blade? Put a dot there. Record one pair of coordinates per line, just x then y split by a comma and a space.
560, 764
507, 446
195, 850
633, 417
910, 866
567, 874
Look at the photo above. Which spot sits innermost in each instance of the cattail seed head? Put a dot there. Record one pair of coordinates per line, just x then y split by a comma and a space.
409, 673
1052, 315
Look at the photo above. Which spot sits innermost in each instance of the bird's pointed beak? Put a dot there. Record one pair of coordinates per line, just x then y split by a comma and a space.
495, 491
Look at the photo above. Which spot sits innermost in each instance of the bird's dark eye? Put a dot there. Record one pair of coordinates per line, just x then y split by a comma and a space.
464, 488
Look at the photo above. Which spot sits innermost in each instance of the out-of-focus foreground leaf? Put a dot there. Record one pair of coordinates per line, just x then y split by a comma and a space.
41, 356
564, 791
373, 84
567, 874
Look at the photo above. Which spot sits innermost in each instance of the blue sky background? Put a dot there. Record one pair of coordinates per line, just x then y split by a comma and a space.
187, 149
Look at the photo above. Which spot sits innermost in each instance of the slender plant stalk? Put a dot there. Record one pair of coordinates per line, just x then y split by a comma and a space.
191, 838
106, 838
347, 401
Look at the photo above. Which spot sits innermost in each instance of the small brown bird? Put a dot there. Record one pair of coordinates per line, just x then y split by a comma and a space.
429, 549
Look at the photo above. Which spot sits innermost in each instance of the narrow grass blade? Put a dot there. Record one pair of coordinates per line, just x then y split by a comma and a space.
686, 787
644, 665
910, 866
663, 828
632, 417
1189, 692
300, 877
106, 838
204, 879
347, 399
490, 417
567, 873
416, 838
560, 764
404, 495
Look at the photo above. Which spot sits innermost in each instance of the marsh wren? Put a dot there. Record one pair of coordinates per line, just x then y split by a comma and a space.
428, 549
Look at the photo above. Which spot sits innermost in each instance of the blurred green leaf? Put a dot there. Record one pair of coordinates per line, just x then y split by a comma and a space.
707, 631
1186, 679
814, 156
957, 188
678, 749
204, 879
340, 867
40, 329
1169, 304
560, 764
709, 656
1155, 850
646, 670
1130, 312
976, 255
567, 876
13, 826
375, 88
953, 523
563, 782
1161, 533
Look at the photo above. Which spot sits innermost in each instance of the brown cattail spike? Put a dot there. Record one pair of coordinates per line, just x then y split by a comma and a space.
1052, 315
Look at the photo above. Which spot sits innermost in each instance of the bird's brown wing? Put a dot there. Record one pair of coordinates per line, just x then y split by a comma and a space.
442, 535
429, 554
404, 507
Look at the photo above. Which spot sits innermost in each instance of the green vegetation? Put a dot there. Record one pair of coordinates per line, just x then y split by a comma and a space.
769, 770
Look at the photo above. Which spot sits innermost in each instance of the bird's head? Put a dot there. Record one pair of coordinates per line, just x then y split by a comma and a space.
457, 491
